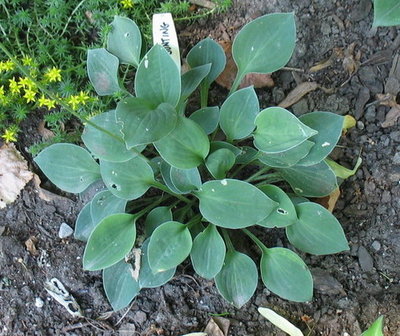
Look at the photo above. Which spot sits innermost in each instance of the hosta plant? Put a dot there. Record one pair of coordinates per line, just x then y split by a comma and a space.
386, 13
195, 183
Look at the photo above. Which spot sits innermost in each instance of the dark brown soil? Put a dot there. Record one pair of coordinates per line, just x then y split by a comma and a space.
351, 289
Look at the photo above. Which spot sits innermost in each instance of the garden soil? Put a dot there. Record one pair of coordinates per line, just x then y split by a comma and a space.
351, 289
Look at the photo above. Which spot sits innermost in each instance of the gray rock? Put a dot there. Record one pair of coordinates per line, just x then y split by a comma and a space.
127, 329
394, 174
300, 107
370, 114
65, 231
395, 136
140, 317
376, 245
396, 159
326, 283
365, 260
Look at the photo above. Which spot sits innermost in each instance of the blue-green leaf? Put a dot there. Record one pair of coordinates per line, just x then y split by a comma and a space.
185, 180
207, 118
192, 79
386, 13
84, 224
219, 162
155, 218
69, 167
105, 204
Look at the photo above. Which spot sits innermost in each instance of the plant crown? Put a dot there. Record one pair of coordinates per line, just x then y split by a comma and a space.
176, 173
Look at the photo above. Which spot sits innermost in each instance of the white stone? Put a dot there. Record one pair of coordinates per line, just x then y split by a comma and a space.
65, 231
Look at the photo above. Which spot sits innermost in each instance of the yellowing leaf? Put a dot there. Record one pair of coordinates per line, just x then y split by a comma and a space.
280, 322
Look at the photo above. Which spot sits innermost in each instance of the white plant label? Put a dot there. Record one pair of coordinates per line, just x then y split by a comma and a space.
164, 33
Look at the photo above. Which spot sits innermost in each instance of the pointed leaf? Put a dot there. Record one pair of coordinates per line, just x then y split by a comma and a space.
186, 146
284, 273
247, 155
109, 242
84, 224
125, 40
192, 79
105, 204
278, 130
341, 171
205, 52
158, 78
143, 124
128, 180
102, 69
238, 113
69, 167
233, 204
238, 278
317, 231
265, 44
208, 252
376, 329
155, 218
185, 180
148, 279
313, 181
166, 175
215, 145
219, 162
207, 118
285, 214
119, 285
287, 158
169, 245
329, 127
104, 146
386, 13
280, 322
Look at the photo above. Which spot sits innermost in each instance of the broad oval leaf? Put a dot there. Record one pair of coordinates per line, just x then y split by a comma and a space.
158, 78
312, 181
143, 124
329, 127
102, 69
169, 245
238, 278
219, 162
317, 231
386, 13
207, 118
284, 273
109, 242
233, 204
84, 224
185, 180
69, 167
278, 130
148, 279
247, 155
128, 180
105, 204
285, 214
155, 218
215, 145
120, 285
165, 170
208, 252
265, 44
238, 113
192, 79
205, 52
287, 158
186, 146
125, 40
101, 144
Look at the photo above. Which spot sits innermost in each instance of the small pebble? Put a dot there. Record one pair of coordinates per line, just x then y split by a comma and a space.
376, 245
65, 231
365, 259
39, 302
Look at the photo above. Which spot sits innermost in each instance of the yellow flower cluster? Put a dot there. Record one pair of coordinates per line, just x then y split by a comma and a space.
10, 135
126, 4
76, 100
6, 66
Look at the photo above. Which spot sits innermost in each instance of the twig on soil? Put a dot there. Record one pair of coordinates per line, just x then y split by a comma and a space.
292, 69
204, 3
126, 312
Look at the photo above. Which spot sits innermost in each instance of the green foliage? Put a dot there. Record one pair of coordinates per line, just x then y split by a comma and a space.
376, 329
162, 165
386, 13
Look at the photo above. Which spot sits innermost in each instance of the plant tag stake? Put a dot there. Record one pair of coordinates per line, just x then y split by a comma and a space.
164, 33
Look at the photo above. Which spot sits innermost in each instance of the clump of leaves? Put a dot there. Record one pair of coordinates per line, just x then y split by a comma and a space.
386, 13
175, 174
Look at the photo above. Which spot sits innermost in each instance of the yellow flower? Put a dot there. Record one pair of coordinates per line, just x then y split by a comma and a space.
43, 101
14, 87
53, 75
8, 65
27, 61
9, 135
126, 4
83, 97
29, 95
2, 91
74, 102
25, 82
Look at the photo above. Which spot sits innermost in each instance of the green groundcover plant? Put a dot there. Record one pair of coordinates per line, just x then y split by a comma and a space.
175, 174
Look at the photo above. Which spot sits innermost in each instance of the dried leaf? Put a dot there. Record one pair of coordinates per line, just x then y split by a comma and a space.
217, 326
45, 132
280, 322
321, 65
391, 117
227, 77
14, 174
30, 244
386, 99
329, 201
204, 3
351, 61
297, 93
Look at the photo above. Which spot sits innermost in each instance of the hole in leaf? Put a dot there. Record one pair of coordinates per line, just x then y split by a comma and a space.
282, 211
